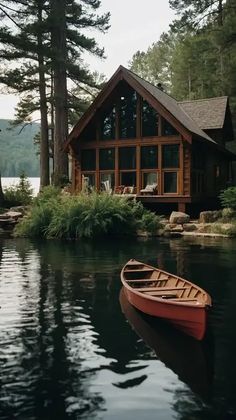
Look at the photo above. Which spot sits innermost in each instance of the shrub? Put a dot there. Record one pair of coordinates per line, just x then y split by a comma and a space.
228, 198
19, 194
85, 216
225, 229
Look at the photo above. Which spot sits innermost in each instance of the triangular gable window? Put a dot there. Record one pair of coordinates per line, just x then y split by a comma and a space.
108, 124
149, 120
168, 129
128, 115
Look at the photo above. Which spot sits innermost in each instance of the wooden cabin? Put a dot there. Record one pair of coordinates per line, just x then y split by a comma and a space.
136, 139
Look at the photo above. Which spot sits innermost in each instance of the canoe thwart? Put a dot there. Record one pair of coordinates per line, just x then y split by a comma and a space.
150, 289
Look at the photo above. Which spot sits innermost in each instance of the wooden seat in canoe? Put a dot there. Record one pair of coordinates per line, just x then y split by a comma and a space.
162, 289
168, 296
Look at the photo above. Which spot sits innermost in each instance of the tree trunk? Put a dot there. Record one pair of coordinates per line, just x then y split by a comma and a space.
1, 191
44, 145
220, 13
60, 90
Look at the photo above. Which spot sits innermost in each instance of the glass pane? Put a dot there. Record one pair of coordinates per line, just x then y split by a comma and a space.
107, 159
128, 111
170, 182
150, 178
170, 156
149, 157
108, 125
128, 179
168, 129
88, 160
107, 181
149, 120
88, 182
89, 133
127, 158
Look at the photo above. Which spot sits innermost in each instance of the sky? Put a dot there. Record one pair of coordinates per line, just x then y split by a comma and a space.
134, 25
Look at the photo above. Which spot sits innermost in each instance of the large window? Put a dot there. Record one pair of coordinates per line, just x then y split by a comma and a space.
89, 133
150, 178
107, 181
149, 157
127, 157
170, 182
149, 120
128, 114
168, 129
108, 125
106, 159
128, 179
88, 182
170, 156
88, 160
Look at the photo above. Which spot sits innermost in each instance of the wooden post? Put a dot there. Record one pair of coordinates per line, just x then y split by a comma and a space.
182, 207
117, 181
138, 172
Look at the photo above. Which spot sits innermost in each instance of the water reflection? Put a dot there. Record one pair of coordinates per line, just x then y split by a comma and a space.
187, 357
67, 351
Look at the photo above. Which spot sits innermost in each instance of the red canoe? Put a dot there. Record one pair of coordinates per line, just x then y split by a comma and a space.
161, 294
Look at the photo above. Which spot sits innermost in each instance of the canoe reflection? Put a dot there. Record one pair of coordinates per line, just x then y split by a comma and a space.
188, 358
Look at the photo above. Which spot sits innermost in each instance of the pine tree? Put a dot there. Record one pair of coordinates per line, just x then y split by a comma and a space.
53, 40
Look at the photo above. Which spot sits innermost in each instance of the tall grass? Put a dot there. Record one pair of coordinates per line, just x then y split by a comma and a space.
85, 216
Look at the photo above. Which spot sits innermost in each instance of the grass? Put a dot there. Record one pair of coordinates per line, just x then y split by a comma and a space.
53, 215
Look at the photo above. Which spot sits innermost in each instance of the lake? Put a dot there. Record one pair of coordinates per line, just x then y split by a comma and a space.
35, 183
71, 347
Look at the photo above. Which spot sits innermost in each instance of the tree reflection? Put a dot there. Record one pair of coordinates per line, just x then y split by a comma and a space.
62, 325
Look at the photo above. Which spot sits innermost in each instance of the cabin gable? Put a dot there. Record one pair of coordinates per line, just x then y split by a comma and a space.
136, 139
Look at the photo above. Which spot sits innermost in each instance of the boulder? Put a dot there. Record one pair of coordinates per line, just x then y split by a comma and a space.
189, 227
177, 228
179, 218
209, 216
20, 209
14, 214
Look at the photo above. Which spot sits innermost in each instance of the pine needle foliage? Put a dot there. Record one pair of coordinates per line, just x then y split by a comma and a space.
54, 215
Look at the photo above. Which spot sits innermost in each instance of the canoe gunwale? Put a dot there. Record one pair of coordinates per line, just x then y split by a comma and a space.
157, 299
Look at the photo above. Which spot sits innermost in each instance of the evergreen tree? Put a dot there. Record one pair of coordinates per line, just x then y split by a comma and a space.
48, 40
154, 65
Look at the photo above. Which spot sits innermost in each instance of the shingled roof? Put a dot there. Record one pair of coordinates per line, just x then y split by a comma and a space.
209, 113
173, 107
195, 116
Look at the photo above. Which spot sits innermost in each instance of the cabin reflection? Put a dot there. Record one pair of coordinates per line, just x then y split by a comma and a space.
189, 359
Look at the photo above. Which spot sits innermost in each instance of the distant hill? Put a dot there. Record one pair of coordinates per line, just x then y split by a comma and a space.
17, 150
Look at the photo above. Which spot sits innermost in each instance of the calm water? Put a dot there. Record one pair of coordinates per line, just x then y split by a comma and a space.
72, 348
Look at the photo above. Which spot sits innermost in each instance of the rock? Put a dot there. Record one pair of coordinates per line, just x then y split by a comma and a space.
209, 216
20, 209
189, 227
204, 227
178, 217
177, 228
14, 214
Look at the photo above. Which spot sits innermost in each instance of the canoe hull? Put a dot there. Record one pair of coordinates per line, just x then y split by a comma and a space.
189, 319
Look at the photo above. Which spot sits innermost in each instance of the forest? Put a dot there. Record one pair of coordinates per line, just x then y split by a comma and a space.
20, 139
47, 39
196, 58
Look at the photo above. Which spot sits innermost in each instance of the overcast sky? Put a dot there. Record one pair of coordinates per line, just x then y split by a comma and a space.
135, 25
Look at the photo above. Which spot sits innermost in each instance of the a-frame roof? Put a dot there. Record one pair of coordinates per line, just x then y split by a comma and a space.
174, 112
